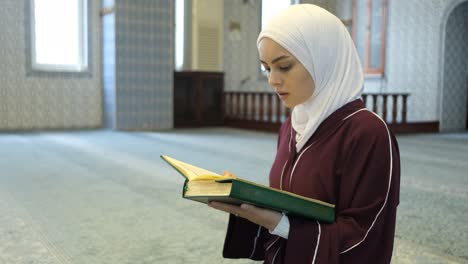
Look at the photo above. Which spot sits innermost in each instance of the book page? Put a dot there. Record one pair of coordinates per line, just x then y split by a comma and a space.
192, 172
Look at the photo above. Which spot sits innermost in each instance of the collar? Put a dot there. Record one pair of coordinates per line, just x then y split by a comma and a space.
331, 123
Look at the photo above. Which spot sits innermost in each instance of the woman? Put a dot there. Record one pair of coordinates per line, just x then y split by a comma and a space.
332, 149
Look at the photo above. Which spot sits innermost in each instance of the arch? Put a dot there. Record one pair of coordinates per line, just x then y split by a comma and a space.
451, 6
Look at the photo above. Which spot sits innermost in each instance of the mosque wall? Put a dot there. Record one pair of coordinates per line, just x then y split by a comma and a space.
35, 101
413, 51
455, 70
144, 64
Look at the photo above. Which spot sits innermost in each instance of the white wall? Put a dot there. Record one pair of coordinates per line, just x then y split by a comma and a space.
414, 54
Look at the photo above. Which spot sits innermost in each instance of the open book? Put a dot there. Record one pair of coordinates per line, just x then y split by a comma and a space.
202, 185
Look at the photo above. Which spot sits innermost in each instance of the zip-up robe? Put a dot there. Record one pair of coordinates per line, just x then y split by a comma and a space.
352, 161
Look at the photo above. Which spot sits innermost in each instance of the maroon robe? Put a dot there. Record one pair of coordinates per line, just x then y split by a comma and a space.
352, 161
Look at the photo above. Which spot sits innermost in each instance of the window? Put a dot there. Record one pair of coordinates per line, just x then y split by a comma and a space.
369, 28
59, 40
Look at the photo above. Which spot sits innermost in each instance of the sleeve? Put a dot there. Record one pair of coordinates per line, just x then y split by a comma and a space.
244, 239
365, 219
282, 229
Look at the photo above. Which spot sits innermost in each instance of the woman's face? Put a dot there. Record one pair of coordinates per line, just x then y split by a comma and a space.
286, 75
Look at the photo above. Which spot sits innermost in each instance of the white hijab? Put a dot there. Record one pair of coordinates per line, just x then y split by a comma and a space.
320, 41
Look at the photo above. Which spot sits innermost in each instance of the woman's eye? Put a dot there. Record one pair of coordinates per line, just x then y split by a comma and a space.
285, 68
264, 69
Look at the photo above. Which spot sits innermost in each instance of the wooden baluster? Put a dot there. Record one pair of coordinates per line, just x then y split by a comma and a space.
278, 110
226, 104
242, 100
395, 108
231, 105
269, 108
384, 108
253, 106
261, 118
223, 107
364, 98
238, 106
374, 103
233, 113
245, 106
403, 114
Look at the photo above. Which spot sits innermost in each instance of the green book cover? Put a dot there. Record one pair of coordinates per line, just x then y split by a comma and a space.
203, 186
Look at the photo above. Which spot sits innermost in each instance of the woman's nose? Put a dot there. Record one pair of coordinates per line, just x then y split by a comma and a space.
274, 79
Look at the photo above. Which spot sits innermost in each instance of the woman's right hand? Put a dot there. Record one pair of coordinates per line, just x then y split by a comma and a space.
229, 175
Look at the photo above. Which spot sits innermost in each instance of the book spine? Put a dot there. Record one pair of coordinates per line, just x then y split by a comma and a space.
184, 189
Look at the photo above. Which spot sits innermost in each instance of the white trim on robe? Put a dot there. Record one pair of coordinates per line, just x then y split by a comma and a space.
388, 188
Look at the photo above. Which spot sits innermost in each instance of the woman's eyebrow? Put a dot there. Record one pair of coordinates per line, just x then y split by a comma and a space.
276, 59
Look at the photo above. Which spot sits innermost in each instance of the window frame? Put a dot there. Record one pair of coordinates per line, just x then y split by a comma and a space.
83, 69
370, 71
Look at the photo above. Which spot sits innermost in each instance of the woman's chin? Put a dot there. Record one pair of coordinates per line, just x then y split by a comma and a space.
288, 105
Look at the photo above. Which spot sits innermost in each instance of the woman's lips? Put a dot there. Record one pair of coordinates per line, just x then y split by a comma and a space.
283, 96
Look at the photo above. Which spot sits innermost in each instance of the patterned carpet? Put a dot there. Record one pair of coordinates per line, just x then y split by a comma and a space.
106, 197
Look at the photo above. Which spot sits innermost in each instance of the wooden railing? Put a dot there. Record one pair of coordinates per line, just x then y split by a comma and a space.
264, 110
380, 103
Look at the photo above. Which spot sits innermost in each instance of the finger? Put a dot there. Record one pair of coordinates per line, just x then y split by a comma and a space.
221, 204
247, 207
229, 174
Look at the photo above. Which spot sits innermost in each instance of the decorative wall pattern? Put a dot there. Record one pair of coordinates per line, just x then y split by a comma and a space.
454, 103
44, 102
144, 64
412, 53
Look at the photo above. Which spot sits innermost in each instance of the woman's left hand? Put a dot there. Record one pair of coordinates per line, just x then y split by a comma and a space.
264, 217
